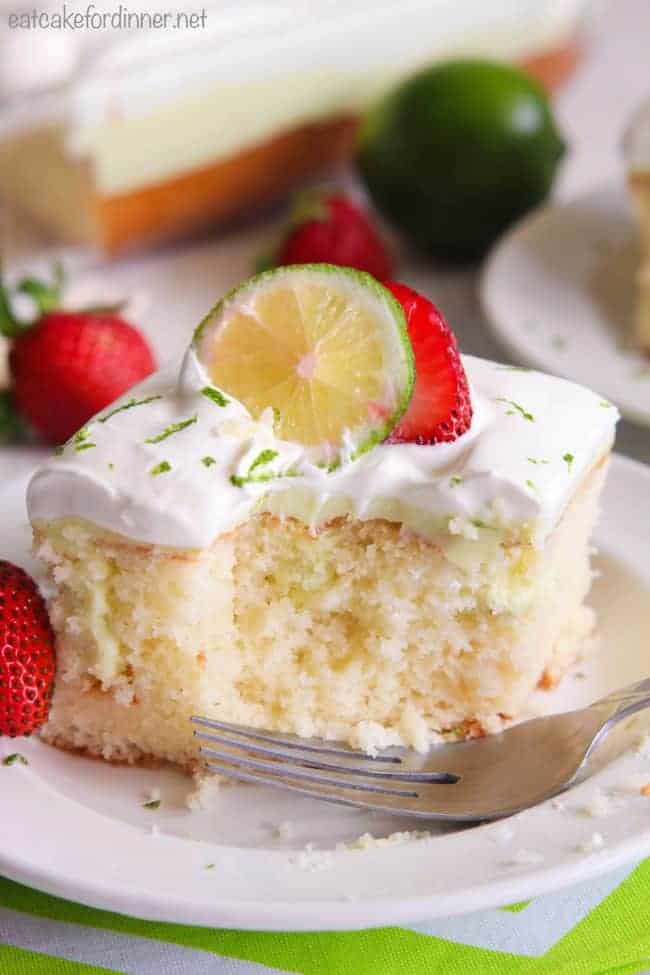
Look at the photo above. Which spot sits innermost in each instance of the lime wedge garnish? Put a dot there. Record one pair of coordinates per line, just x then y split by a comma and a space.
325, 347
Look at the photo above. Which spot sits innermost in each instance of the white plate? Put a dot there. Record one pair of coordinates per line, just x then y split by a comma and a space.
76, 827
559, 292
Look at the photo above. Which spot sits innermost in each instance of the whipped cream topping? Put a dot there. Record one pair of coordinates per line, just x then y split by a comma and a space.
177, 463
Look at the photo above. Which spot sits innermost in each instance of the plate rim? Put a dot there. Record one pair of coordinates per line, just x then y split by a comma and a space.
311, 914
333, 915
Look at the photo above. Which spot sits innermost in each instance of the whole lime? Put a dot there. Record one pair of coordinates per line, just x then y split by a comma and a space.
457, 152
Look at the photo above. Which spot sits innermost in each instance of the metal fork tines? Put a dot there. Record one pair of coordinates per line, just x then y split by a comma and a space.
317, 768
468, 780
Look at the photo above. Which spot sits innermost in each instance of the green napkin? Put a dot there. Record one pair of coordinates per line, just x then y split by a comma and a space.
601, 926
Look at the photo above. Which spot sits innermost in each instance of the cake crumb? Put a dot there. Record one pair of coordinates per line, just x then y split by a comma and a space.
598, 805
284, 830
645, 789
413, 728
372, 738
368, 842
595, 842
312, 859
205, 791
464, 527
547, 681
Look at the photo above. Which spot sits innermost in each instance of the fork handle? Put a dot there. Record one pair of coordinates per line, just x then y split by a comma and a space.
620, 704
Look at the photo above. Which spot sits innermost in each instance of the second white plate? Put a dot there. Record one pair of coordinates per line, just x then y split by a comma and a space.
559, 293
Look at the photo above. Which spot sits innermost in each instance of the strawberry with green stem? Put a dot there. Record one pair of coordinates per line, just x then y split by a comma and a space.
65, 366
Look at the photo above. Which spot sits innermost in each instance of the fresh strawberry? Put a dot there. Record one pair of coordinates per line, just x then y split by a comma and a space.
440, 409
331, 228
67, 365
73, 364
27, 658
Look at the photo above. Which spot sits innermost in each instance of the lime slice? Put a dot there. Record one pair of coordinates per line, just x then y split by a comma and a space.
325, 347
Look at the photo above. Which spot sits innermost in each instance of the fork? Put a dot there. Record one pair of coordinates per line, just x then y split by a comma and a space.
481, 779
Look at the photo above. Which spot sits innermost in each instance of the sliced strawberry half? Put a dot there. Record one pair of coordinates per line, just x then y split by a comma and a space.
27, 654
441, 408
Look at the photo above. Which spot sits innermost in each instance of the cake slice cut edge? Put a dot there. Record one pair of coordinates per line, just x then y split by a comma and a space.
357, 630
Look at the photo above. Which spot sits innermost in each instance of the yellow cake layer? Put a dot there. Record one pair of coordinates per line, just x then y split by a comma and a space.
359, 631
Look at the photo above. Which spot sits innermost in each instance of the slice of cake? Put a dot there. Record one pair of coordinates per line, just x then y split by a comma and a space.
168, 131
637, 152
291, 534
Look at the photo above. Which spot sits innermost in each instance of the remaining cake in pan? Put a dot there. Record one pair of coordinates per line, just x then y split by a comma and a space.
637, 151
169, 131
271, 539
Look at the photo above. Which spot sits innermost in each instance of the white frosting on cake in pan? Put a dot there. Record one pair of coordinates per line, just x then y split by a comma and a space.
253, 70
